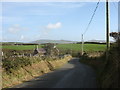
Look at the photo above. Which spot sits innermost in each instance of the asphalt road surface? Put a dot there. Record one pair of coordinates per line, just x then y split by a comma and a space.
70, 75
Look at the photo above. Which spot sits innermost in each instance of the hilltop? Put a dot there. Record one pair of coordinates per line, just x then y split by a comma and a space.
53, 41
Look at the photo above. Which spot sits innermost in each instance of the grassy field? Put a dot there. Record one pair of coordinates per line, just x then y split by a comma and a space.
75, 47
87, 47
20, 47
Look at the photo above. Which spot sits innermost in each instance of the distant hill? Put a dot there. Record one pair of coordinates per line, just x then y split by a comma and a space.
42, 41
10, 43
95, 42
99, 41
53, 41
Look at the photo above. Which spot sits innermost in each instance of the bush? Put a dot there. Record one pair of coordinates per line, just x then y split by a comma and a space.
14, 63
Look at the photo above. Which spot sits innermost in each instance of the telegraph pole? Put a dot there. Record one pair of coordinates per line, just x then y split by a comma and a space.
107, 28
82, 44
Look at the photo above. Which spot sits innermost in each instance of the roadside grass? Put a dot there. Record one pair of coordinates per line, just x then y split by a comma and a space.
28, 72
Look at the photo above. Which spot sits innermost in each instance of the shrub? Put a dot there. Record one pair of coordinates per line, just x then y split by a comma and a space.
14, 63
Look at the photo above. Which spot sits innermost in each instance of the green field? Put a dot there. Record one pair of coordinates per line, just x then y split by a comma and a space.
20, 47
75, 47
87, 47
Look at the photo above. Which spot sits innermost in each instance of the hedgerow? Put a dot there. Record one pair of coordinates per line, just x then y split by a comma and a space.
14, 63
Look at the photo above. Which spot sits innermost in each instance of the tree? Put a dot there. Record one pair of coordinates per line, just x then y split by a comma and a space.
51, 49
115, 35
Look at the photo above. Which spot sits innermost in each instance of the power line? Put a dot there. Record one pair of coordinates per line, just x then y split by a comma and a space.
92, 16
89, 25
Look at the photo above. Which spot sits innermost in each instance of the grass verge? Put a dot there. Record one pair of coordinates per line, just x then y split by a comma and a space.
31, 71
106, 70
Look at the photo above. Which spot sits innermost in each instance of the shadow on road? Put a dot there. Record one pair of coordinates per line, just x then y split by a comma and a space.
71, 75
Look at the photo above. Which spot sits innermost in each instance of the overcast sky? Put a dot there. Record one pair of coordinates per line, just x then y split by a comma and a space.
29, 21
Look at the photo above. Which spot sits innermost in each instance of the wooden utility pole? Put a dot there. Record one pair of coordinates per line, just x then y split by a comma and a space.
82, 44
107, 28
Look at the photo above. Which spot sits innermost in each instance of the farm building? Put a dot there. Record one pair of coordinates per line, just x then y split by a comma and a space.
39, 51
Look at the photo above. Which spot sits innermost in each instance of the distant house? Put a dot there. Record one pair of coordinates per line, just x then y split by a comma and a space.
39, 51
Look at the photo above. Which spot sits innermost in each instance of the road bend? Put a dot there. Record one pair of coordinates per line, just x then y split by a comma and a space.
71, 75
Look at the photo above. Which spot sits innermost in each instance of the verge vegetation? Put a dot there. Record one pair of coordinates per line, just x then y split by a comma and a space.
107, 70
18, 70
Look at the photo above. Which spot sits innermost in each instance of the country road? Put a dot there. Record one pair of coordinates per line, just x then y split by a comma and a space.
70, 75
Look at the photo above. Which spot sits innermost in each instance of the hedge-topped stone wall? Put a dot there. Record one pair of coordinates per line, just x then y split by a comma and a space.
31, 71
